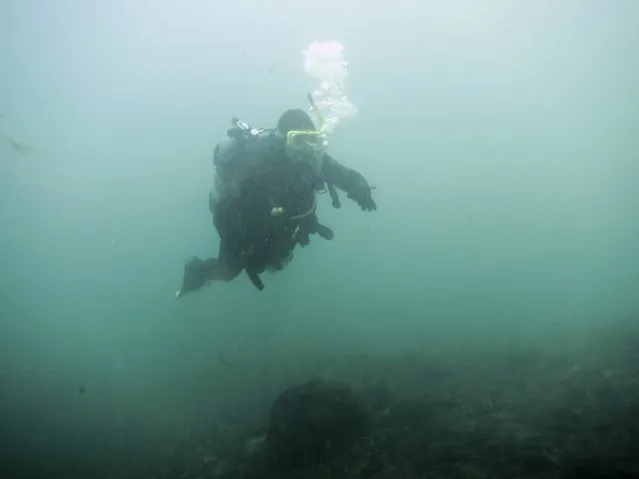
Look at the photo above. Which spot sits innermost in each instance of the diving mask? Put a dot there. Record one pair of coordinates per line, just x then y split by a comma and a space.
306, 145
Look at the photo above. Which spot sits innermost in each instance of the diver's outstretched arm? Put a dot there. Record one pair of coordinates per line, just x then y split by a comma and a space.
350, 181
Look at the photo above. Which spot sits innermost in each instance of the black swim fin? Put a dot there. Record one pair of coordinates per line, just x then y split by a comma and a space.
196, 273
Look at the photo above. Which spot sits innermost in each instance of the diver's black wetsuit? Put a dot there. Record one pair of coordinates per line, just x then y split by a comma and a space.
254, 239
253, 236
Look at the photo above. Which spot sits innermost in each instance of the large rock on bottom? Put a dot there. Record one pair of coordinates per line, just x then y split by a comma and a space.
313, 421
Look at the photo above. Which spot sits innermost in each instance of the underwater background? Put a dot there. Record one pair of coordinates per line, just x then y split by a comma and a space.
501, 138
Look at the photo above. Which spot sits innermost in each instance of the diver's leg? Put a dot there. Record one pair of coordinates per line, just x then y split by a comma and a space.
198, 271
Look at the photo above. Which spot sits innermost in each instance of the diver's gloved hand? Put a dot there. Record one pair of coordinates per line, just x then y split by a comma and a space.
196, 273
363, 197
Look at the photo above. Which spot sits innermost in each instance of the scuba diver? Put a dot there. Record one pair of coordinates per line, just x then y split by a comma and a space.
264, 198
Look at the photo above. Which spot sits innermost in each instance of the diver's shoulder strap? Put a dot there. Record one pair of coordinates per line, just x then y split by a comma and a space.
242, 131
243, 139
266, 141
